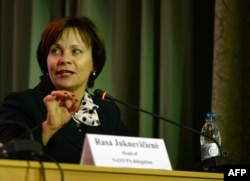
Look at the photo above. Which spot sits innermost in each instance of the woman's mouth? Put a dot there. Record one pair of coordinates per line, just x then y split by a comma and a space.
64, 72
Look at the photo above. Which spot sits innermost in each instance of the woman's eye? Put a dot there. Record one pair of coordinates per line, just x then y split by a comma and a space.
76, 51
55, 51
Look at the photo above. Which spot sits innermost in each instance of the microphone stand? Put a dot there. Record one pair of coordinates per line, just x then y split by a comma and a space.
210, 164
20, 147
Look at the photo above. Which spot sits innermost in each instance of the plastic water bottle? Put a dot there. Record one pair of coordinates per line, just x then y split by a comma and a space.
208, 147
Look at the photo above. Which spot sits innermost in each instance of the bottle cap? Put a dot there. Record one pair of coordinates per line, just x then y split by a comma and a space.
210, 115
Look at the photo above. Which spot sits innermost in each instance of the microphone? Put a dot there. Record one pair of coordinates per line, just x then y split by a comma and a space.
208, 162
103, 95
20, 146
26, 148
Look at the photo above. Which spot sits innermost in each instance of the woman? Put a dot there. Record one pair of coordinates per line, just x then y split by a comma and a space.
59, 110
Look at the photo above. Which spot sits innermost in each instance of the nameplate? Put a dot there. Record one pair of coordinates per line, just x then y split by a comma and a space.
123, 151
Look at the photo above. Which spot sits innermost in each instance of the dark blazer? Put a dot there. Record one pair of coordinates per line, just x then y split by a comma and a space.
66, 145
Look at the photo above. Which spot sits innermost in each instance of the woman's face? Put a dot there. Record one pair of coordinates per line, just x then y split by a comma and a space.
70, 62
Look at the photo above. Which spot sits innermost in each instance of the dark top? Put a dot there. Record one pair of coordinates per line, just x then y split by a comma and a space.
66, 145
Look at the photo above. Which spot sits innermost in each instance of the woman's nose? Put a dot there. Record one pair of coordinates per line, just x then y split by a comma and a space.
64, 60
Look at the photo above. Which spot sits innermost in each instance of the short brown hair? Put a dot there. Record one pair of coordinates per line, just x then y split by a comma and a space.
89, 33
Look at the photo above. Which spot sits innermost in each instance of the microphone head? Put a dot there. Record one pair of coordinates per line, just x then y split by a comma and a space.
103, 95
98, 93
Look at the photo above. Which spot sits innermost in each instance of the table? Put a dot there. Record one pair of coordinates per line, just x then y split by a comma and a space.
21, 170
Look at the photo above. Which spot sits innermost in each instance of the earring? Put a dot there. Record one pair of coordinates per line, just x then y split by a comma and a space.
94, 74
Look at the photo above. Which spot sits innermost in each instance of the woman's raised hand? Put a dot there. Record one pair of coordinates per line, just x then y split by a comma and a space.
60, 107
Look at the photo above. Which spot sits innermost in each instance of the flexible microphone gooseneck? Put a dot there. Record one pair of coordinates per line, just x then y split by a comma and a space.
26, 148
16, 146
103, 95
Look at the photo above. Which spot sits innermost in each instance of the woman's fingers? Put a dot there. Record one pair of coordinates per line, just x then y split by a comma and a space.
65, 99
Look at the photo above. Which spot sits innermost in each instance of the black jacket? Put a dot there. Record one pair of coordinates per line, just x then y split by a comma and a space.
66, 145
